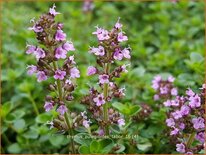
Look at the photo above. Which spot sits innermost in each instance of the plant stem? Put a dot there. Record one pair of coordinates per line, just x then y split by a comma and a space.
65, 114
105, 106
33, 104
190, 139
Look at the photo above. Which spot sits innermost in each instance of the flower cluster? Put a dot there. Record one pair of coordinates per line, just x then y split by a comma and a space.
107, 52
185, 117
164, 88
88, 6
53, 47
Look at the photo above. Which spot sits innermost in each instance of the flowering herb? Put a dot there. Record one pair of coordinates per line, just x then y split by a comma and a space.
52, 51
185, 116
107, 53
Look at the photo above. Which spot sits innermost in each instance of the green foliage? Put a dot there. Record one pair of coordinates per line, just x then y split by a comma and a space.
166, 38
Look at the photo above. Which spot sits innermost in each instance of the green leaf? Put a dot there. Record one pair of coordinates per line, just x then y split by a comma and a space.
43, 118
14, 148
83, 139
31, 134
5, 109
127, 109
56, 140
105, 146
94, 147
19, 124
84, 149
196, 57
144, 147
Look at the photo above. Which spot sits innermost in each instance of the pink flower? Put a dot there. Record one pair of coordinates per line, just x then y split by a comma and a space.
174, 132
41, 76
74, 73
48, 106
121, 37
59, 74
170, 122
31, 69
103, 78
86, 123
121, 122
180, 148
98, 51
174, 91
177, 114
60, 35
62, 109
60, 53
71, 58
167, 103
30, 49
126, 53
185, 110
91, 70
60, 26
39, 53
102, 34
36, 28
68, 46
118, 55
99, 100
52, 11
118, 25
171, 79
198, 123
195, 101
189, 92
124, 68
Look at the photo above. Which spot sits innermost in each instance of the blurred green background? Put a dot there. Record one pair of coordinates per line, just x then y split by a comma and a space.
165, 37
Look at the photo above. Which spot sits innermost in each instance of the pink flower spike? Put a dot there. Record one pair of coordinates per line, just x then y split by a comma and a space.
68, 46
60, 35
62, 109
30, 49
48, 106
103, 78
40, 53
91, 70
59, 74
31, 69
74, 73
52, 11
41, 76
99, 100
60, 53
121, 37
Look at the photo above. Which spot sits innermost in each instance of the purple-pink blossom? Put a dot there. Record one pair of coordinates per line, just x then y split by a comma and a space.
52, 11
103, 78
200, 136
180, 148
60, 53
177, 114
30, 49
118, 54
48, 106
39, 53
118, 25
189, 92
41, 76
31, 69
185, 110
121, 122
86, 123
194, 101
97, 51
198, 123
102, 34
175, 131
99, 100
174, 91
171, 79
60, 35
74, 72
126, 53
68, 46
170, 122
121, 37
62, 109
91, 70
59, 74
